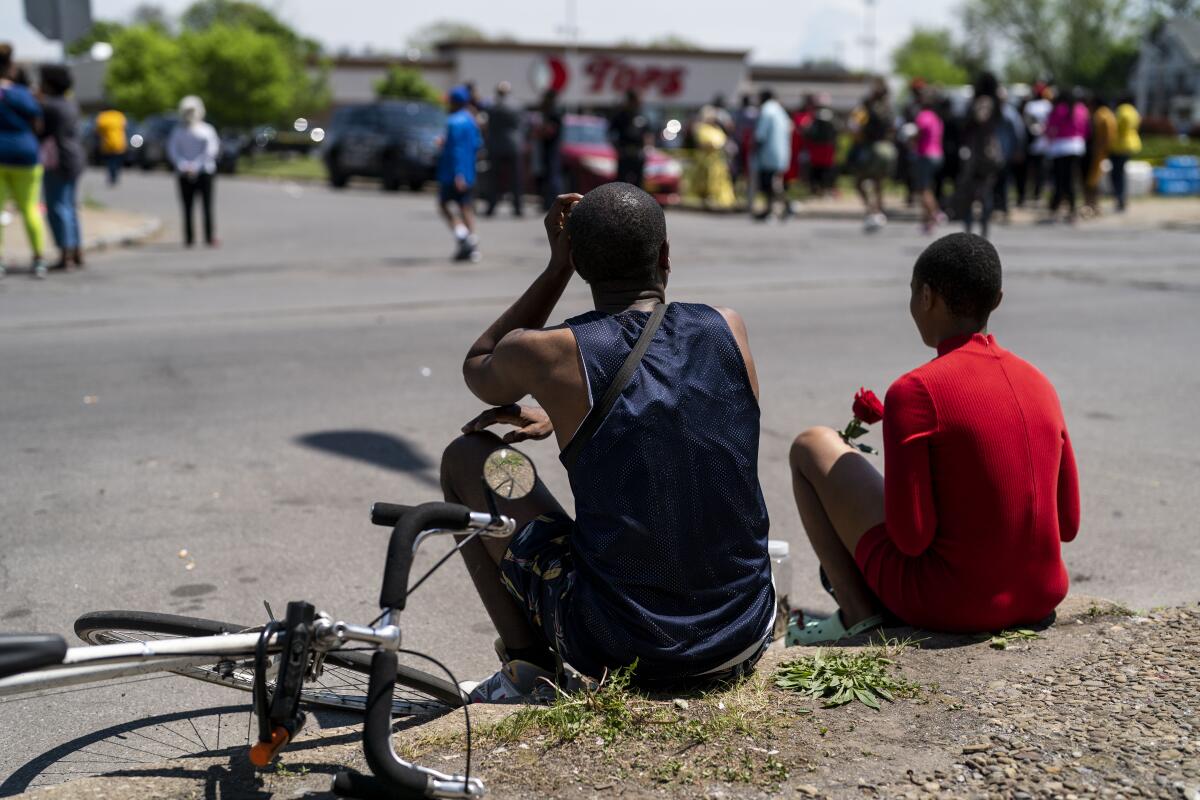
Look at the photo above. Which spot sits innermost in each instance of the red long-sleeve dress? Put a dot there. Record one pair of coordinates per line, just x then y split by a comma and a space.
980, 488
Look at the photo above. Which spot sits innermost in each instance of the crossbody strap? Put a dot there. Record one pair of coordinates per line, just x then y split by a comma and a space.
592, 421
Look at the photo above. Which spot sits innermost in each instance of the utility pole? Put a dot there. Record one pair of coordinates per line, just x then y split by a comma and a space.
869, 40
570, 30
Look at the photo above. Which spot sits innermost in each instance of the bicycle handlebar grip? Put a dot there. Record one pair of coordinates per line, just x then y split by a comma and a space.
398, 779
365, 787
388, 514
400, 546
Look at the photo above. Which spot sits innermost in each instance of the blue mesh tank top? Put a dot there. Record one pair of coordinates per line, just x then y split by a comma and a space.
670, 544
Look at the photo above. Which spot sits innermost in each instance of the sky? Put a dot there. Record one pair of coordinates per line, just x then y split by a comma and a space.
774, 30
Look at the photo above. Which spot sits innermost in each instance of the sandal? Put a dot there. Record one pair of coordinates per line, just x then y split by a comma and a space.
804, 630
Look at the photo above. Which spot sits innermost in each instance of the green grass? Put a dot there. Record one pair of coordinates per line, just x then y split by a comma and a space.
1156, 149
1002, 640
709, 736
1109, 610
838, 678
277, 166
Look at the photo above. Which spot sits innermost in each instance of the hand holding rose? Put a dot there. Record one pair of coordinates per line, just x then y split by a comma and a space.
868, 409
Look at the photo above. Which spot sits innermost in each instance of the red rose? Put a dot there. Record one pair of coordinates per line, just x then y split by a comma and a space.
867, 407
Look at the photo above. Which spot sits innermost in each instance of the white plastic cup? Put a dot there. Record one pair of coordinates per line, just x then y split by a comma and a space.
781, 577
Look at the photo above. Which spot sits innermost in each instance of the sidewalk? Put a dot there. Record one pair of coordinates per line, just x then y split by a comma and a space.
1102, 704
102, 228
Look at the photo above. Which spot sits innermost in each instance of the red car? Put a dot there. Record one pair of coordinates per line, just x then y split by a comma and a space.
589, 160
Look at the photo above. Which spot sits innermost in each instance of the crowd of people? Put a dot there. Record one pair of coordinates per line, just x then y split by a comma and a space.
962, 158
42, 157
994, 153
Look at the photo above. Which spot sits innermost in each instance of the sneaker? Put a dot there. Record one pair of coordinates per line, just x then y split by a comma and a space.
874, 222
515, 682
40, 270
3, 271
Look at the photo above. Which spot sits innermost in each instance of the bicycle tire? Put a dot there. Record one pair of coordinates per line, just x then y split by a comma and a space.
416, 692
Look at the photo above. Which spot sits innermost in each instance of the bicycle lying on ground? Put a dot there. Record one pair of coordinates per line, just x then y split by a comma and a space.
307, 659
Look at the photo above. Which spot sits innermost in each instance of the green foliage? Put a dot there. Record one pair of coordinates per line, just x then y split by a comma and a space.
605, 711
673, 41
1073, 42
243, 76
103, 30
152, 15
1002, 640
428, 37
247, 66
840, 678
929, 53
147, 72
406, 83
204, 14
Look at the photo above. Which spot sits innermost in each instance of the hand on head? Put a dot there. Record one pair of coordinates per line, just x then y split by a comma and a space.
556, 227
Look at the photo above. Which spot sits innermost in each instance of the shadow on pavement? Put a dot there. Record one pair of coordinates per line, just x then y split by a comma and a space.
380, 449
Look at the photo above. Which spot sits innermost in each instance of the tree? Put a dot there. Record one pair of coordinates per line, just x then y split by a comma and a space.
103, 30
929, 53
146, 74
1075, 42
244, 76
299, 80
673, 41
428, 37
151, 15
406, 83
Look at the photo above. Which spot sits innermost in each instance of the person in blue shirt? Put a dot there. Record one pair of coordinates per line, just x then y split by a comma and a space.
20, 160
456, 174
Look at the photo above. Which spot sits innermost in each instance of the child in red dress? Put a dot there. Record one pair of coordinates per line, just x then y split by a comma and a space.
962, 533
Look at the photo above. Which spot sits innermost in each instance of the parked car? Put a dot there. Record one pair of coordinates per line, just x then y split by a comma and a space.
301, 137
394, 140
589, 160
156, 129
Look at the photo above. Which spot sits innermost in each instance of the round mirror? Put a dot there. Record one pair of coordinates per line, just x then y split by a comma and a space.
509, 474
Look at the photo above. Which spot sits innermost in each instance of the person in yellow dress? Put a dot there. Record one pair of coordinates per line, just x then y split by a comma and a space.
110, 132
1127, 145
1104, 134
711, 170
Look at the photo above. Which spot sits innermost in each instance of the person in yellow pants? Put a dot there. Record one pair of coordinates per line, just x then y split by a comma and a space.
20, 160
22, 185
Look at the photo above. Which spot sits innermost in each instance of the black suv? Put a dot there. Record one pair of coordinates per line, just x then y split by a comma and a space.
395, 140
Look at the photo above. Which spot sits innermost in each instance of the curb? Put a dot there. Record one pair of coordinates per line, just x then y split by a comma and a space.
126, 238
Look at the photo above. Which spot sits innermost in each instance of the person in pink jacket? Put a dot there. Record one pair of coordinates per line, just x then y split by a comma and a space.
1066, 142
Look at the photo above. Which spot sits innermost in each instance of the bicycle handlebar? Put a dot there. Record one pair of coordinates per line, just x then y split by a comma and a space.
388, 514
400, 547
394, 777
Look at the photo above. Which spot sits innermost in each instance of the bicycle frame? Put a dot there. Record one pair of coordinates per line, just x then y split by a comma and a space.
395, 777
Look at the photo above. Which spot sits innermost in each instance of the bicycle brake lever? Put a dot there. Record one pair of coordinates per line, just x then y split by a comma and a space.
493, 509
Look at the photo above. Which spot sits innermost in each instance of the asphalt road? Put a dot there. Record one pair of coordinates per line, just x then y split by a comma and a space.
248, 403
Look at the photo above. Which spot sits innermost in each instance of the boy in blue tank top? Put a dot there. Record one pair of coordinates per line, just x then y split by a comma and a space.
666, 560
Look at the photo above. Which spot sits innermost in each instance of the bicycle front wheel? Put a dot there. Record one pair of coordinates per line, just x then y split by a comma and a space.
342, 684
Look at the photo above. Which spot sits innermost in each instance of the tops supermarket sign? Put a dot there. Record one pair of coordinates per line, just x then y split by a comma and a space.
597, 76
605, 75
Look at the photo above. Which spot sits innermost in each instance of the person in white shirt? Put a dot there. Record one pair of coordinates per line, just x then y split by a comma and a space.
192, 149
